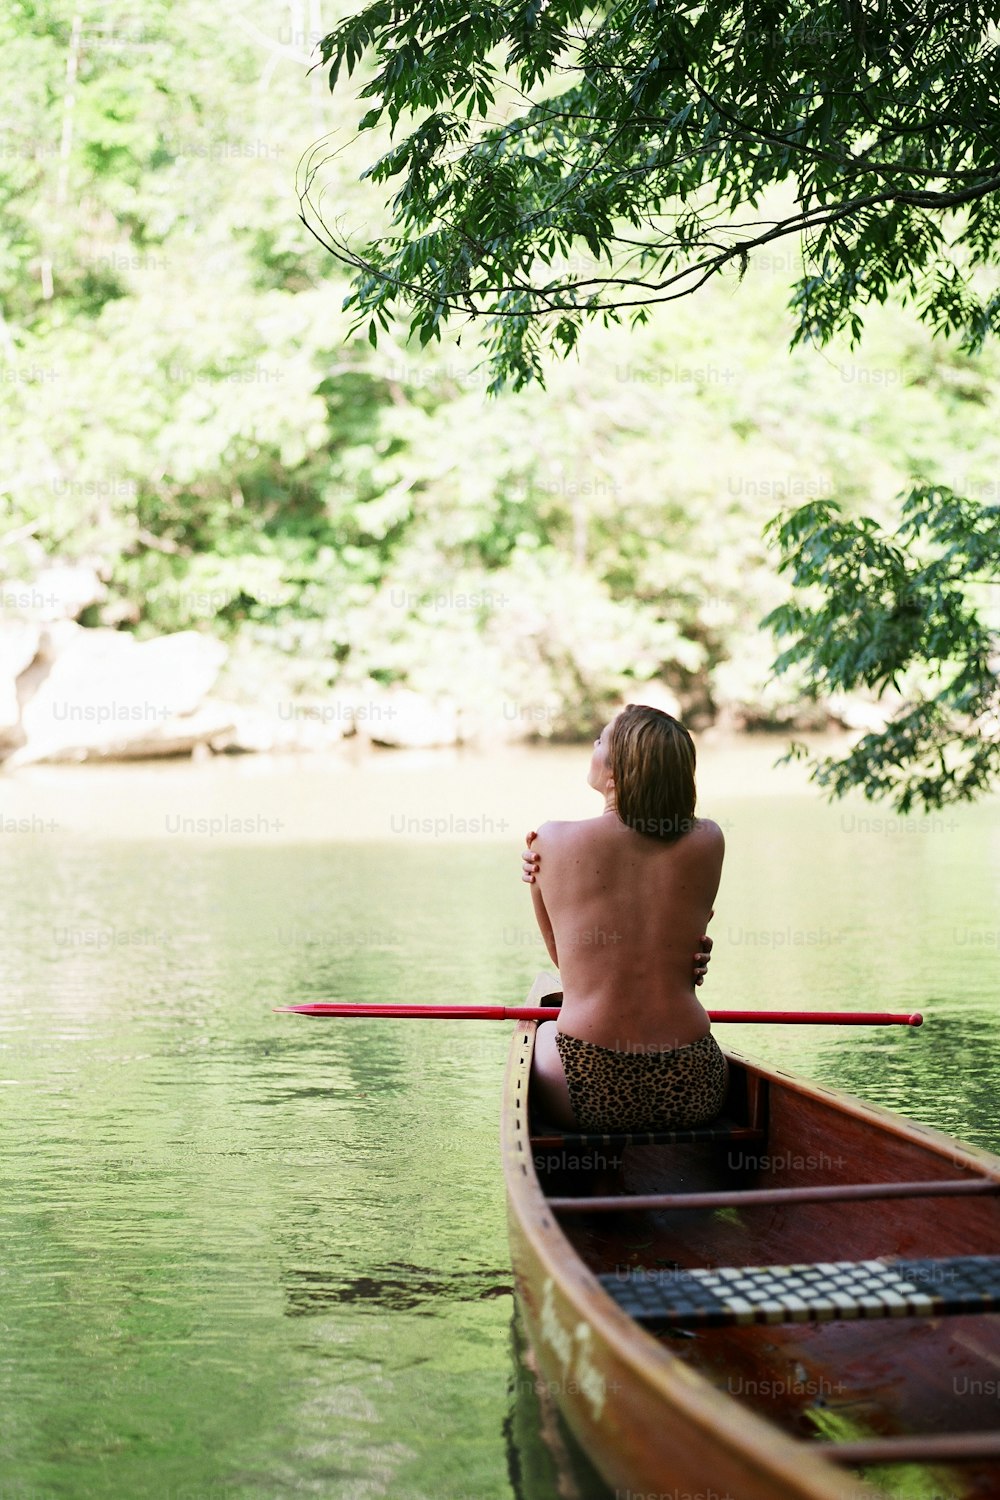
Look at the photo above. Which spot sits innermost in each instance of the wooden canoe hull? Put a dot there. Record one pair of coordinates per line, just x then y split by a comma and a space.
652, 1422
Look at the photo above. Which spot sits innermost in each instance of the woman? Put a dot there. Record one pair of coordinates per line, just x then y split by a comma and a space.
622, 900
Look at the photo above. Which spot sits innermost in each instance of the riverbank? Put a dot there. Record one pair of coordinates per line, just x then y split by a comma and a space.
362, 793
70, 692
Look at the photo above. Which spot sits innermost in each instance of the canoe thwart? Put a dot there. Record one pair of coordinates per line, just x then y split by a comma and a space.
730, 1295
944, 1447
829, 1192
721, 1130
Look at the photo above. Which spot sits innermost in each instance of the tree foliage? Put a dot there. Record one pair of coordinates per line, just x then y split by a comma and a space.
901, 612
182, 410
552, 163
555, 161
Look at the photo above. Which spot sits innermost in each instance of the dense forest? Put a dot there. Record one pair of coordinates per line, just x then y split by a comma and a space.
184, 411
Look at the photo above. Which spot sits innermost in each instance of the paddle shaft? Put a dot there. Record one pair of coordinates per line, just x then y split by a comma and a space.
551, 1013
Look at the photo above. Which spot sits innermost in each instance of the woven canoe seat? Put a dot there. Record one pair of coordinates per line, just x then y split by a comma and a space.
720, 1129
809, 1293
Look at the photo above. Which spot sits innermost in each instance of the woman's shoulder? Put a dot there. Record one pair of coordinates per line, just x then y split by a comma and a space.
704, 832
558, 832
698, 838
706, 844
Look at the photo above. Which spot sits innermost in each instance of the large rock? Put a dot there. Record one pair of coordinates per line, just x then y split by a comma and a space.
868, 715
184, 734
99, 694
296, 726
402, 718
656, 695
61, 591
19, 642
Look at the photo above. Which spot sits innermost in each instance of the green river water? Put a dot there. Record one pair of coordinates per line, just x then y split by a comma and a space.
249, 1255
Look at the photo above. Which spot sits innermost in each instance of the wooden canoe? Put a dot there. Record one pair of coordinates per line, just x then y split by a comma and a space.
860, 1358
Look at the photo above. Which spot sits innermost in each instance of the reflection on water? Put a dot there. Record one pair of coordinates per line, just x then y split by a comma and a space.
248, 1254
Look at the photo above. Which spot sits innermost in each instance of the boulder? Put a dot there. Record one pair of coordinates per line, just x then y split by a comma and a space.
99, 694
864, 714
184, 734
655, 695
403, 719
61, 591
297, 726
19, 643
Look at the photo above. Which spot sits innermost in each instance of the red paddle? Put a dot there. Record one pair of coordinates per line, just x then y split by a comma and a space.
551, 1013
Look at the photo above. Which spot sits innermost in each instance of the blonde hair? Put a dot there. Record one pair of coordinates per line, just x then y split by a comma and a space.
652, 763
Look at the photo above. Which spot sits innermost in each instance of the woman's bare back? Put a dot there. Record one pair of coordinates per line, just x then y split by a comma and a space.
625, 913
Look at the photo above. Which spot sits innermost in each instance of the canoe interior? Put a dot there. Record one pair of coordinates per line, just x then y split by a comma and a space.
830, 1381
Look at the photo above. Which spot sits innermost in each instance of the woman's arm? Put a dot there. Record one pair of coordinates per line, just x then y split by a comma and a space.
529, 865
544, 925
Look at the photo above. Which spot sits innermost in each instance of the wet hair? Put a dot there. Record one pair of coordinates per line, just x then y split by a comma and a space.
652, 762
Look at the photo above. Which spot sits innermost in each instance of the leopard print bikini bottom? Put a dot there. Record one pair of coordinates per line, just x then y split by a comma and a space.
643, 1090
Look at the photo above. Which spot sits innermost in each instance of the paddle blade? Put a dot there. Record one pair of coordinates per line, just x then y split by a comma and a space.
429, 1012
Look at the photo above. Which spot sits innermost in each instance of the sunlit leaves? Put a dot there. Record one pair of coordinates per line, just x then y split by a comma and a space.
911, 613
608, 117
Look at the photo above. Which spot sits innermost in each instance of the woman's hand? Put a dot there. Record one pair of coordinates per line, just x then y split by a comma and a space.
702, 959
529, 860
